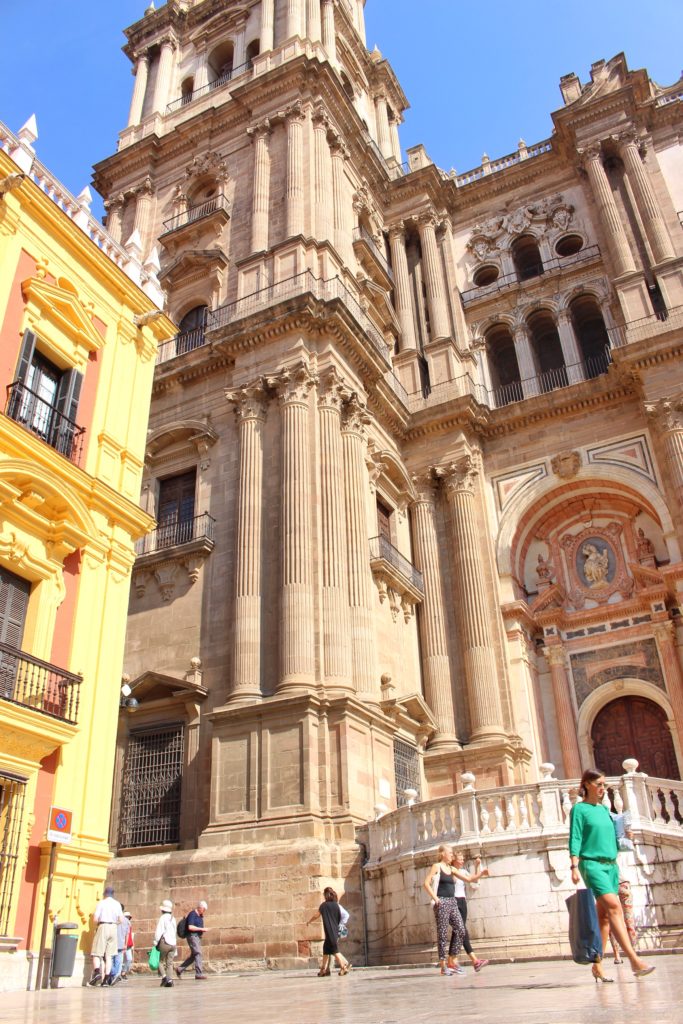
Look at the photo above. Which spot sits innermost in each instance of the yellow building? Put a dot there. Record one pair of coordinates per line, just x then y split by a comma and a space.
79, 329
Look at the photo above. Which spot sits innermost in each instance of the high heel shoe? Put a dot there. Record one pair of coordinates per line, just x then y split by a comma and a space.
642, 972
596, 970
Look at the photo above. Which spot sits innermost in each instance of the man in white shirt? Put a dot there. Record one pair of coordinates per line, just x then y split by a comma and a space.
108, 914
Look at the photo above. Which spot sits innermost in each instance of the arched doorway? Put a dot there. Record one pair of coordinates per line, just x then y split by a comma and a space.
634, 727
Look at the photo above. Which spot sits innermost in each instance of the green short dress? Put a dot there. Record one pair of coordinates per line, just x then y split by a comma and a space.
593, 840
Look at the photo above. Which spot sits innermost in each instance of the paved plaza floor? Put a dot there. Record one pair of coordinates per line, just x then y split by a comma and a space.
517, 993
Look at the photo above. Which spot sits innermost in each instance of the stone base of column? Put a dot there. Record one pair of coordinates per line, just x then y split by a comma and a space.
407, 369
633, 296
243, 697
444, 361
504, 763
670, 280
296, 685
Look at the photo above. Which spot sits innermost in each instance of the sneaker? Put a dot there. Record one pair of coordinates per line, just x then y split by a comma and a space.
447, 971
96, 979
458, 969
479, 964
116, 980
200, 977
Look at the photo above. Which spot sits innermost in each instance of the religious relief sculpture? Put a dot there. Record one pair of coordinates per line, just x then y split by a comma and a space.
595, 566
645, 549
566, 464
544, 572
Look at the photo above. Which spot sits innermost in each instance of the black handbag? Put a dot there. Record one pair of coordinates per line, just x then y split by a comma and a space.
584, 930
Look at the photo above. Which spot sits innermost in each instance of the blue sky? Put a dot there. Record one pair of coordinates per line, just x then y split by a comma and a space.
478, 75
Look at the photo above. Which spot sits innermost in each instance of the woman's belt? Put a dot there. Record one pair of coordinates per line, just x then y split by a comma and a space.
600, 860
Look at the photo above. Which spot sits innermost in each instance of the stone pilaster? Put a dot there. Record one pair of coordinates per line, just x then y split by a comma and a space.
260, 213
673, 674
471, 606
162, 86
364, 657
608, 212
297, 662
337, 670
434, 283
250, 409
139, 89
294, 190
329, 36
666, 415
570, 347
342, 232
431, 616
267, 25
564, 711
646, 201
402, 293
322, 176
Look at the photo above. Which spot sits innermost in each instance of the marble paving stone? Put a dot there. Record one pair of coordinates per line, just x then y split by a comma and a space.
518, 993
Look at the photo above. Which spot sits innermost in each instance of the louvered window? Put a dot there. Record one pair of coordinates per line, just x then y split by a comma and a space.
176, 508
14, 595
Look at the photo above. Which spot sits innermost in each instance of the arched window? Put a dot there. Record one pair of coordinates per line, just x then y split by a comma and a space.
527, 257
221, 63
187, 89
253, 50
545, 342
591, 334
503, 366
191, 330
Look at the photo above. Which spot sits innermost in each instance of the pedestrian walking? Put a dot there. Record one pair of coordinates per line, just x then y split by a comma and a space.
122, 932
107, 915
446, 911
130, 947
593, 852
194, 929
458, 862
331, 917
166, 938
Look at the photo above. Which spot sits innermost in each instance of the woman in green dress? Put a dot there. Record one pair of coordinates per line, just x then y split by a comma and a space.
593, 852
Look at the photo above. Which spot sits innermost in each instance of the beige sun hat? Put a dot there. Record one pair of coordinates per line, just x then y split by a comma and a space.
166, 907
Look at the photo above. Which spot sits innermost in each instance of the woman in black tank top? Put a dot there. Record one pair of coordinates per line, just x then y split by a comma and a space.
446, 912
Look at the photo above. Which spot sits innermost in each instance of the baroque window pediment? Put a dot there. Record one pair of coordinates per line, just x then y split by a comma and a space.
63, 322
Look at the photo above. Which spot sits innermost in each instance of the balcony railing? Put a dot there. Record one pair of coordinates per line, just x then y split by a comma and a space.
586, 255
170, 535
362, 234
639, 330
37, 684
380, 547
42, 419
228, 76
185, 341
551, 380
197, 213
292, 287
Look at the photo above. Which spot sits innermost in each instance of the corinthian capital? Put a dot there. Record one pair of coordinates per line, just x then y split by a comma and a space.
424, 486
332, 390
293, 384
260, 130
555, 655
250, 401
459, 477
666, 413
354, 416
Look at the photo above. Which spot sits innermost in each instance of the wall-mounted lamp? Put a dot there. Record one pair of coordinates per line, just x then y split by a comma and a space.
126, 701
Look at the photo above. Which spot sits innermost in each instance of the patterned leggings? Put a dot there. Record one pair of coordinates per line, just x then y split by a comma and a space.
447, 914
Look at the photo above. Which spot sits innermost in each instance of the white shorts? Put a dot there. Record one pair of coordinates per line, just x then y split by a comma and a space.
105, 943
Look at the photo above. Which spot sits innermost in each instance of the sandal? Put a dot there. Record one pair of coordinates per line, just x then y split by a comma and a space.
345, 970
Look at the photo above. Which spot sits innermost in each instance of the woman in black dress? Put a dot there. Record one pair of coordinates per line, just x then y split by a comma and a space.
331, 919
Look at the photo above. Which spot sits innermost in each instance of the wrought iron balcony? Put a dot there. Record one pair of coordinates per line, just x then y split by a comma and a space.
381, 548
42, 419
216, 204
176, 534
226, 77
185, 341
531, 273
37, 684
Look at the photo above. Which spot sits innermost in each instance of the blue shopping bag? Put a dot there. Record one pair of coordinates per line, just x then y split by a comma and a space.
584, 931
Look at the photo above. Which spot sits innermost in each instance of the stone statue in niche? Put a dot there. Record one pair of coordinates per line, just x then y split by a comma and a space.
645, 549
595, 566
544, 572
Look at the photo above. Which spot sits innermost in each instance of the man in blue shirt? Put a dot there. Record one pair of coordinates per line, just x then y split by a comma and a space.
195, 929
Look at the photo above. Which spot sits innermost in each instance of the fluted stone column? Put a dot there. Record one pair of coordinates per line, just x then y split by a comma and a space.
250, 409
139, 89
297, 660
434, 283
114, 208
673, 675
240, 52
570, 346
394, 122
329, 37
525, 360
267, 25
342, 232
162, 85
646, 201
144, 199
313, 21
294, 191
667, 416
260, 212
294, 18
363, 650
564, 711
382, 121
608, 212
402, 293
431, 616
337, 669
322, 176
471, 606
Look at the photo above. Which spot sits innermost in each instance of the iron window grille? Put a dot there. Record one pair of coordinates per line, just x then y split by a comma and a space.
152, 782
12, 793
406, 771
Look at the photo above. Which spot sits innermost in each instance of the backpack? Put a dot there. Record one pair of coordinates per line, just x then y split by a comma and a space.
181, 930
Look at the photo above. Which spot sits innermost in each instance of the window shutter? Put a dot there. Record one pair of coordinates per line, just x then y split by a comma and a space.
68, 394
28, 347
14, 595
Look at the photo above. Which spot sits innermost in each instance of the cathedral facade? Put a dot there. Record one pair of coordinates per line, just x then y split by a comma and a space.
415, 457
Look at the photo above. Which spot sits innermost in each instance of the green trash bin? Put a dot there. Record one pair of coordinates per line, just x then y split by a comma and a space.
64, 950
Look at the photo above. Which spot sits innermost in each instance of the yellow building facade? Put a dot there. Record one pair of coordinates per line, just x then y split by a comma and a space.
79, 329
